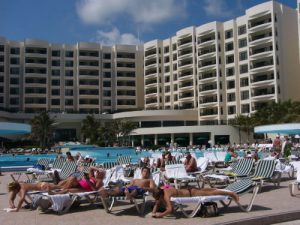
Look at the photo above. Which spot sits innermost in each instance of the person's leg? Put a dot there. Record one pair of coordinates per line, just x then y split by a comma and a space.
213, 191
70, 182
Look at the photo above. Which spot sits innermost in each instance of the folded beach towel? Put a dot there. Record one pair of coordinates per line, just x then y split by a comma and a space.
218, 177
59, 202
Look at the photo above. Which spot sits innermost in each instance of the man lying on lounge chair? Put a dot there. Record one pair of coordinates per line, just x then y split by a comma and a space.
163, 196
135, 188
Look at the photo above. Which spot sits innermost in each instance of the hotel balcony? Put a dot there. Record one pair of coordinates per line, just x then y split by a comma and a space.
186, 105
261, 65
184, 64
262, 79
187, 74
207, 64
207, 52
261, 104
150, 53
150, 82
150, 62
151, 100
263, 93
208, 101
209, 112
262, 51
151, 92
261, 37
149, 73
186, 85
186, 96
185, 42
261, 23
209, 88
207, 76
205, 40
186, 53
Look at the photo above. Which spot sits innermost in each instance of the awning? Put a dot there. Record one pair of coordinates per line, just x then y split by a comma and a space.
14, 128
288, 128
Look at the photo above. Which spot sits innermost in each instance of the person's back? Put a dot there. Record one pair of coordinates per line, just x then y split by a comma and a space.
190, 163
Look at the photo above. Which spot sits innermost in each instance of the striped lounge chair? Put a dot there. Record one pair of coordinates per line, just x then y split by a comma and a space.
240, 187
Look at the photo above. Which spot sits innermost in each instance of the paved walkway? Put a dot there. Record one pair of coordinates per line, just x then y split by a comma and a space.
271, 201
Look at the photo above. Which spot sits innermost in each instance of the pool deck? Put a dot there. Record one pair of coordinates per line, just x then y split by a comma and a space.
272, 205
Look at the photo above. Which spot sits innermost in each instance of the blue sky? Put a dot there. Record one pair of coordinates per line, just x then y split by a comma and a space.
112, 21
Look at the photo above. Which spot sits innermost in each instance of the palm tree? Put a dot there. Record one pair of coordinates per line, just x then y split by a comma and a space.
243, 123
107, 133
42, 129
125, 128
89, 128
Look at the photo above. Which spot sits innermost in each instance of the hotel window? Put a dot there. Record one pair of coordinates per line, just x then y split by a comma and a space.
69, 63
1, 58
166, 59
15, 51
242, 43
167, 89
1, 89
167, 69
229, 59
15, 71
244, 82
174, 47
243, 56
244, 68
69, 73
68, 92
229, 46
244, 95
1, 48
106, 93
55, 82
1, 99
106, 75
174, 57
55, 92
166, 49
175, 67
1, 68
14, 61
230, 71
231, 110
68, 82
167, 99
228, 34
69, 54
55, 102
231, 97
106, 103
107, 56
14, 80
55, 72
245, 108
167, 79
14, 91
55, 63
106, 84
107, 65
242, 30
56, 53
69, 102
14, 101
230, 84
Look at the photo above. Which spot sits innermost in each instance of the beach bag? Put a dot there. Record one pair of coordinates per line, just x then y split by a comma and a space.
209, 209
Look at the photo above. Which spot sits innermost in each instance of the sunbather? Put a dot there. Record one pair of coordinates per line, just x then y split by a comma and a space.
163, 196
135, 188
91, 182
22, 189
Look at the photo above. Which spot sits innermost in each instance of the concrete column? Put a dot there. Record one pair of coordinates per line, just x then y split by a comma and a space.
155, 139
191, 139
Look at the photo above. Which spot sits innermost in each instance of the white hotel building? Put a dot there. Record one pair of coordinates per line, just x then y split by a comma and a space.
194, 83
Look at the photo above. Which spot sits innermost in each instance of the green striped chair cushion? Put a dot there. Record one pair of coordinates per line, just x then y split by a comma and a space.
241, 186
243, 167
264, 169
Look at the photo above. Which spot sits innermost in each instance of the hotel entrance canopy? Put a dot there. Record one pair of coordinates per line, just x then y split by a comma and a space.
14, 128
288, 128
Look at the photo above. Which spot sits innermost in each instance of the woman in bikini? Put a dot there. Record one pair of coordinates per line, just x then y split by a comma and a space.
163, 196
21, 189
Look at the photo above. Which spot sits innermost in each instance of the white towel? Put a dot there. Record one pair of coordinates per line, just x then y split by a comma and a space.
59, 202
198, 199
219, 177
9, 209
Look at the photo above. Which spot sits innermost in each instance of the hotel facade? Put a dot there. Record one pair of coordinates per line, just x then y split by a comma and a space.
183, 89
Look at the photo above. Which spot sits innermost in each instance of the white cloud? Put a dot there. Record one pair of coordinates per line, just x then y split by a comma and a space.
217, 8
115, 37
146, 12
